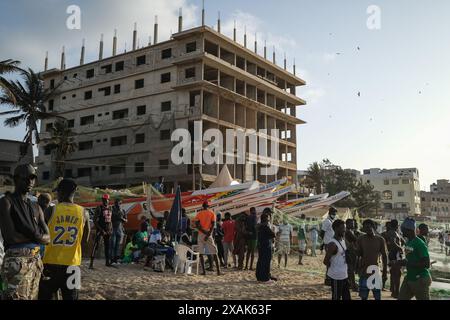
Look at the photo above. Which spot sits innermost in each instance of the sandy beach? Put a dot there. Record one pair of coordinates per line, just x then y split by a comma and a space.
131, 282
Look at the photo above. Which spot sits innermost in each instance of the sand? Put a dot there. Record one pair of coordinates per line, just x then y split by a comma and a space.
131, 282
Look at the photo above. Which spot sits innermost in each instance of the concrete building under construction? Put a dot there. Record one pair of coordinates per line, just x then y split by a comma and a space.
123, 108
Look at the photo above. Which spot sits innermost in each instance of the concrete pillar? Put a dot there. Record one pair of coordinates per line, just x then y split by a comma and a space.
155, 31
285, 63
218, 23
114, 48
234, 31
274, 54
245, 37
294, 67
180, 20
82, 53
46, 61
256, 42
265, 49
203, 13
134, 36
100, 50
63, 59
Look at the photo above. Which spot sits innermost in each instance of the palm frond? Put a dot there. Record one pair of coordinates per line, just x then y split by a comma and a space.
9, 65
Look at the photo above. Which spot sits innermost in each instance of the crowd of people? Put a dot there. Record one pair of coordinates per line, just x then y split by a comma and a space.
351, 252
43, 243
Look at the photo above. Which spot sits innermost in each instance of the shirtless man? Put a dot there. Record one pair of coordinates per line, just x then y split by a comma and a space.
369, 249
24, 229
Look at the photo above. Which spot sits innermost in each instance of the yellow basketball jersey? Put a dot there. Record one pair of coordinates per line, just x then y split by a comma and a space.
66, 232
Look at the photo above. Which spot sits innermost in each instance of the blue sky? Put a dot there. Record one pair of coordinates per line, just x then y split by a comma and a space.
401, 118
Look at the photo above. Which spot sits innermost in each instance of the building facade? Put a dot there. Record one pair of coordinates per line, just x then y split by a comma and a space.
399, 189
12, 154
436, 203
124, 109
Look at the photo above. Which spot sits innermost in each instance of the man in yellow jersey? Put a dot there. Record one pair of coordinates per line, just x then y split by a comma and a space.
69, 227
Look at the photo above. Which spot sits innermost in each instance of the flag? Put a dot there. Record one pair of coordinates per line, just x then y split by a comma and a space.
173, 223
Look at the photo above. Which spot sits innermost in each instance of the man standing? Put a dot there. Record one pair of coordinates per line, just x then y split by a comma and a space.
251, 238
103, 227
228, 237
423, 233
327, 233
119, 217
284, 241
44, 200
418, 279
205, 221
23, 229
218, 237
314, 235
369, 249
394, 243
240, 239
301, 237
350, 242
335, 260
69, 228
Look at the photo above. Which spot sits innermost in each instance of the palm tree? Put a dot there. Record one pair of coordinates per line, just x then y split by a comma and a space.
314, 175
62, 143
28, 103
8, 66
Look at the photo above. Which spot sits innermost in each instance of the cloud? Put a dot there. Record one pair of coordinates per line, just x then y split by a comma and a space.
313, 95
255, 26
41, 26
329, 57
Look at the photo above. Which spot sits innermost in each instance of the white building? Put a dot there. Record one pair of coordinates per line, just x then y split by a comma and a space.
399, 189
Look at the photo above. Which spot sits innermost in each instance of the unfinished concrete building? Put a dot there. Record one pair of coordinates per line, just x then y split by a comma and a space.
124, 108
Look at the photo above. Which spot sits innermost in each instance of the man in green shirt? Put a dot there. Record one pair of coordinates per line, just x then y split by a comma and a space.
417, 281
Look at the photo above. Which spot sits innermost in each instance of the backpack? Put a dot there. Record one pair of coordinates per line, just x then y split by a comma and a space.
159, 263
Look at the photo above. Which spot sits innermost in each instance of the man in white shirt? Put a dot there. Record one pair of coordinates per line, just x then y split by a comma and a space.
327, 226
284, 241
327, 234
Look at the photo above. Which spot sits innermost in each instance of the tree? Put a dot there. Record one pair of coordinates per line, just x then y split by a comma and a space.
8, 66
333, 179
314, 177
28, 103
62, 145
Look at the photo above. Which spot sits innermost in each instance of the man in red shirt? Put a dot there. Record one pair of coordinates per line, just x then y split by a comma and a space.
205, 221
229, 232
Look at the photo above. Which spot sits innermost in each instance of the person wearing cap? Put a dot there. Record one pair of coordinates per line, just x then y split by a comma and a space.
69, 229
103, 227
417, 281
205, 221
23, 229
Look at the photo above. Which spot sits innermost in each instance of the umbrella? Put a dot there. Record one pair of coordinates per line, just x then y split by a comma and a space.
173, 223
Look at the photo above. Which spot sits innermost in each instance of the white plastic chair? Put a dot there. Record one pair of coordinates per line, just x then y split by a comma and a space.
182, 260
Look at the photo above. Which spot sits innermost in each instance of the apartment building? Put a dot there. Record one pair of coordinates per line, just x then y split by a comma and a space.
399, 189
124, 108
